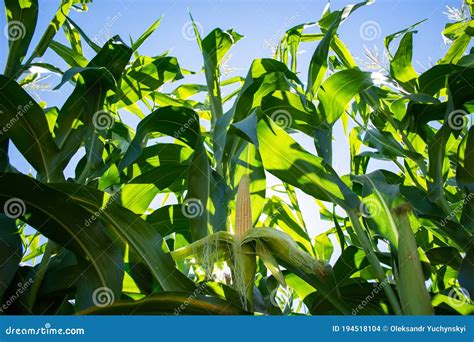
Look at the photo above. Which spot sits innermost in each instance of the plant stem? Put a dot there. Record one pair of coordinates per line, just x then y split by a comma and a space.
43, 266
374, 262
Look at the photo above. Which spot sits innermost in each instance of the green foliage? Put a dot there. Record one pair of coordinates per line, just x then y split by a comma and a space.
198, 209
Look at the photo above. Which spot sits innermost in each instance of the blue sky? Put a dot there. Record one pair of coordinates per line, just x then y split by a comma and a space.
262, 22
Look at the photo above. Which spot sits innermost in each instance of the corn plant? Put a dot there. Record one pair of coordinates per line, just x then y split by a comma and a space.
182, 214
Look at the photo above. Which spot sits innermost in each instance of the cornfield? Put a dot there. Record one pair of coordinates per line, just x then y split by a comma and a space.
198, 209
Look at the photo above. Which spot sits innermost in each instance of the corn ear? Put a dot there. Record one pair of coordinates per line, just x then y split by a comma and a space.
284, 248
288, 254
222, 241
243, 213
244, 259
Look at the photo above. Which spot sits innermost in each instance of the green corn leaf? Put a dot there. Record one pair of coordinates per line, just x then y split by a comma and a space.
214, 48
70, 56
144, 76
390, 215
185, 91
73, 36
338, 90
400, 66
53, 27
291, 111
319, 61
286, 159
146, 34
465, 177
218, 203
21, 23
10, 252
139, 192
86, 103
24, 122
130, 228
171, 303
264, 77
352, 260
198, 191
64, 222
280, 215
89, 41
170, 219
178, 122
335, 94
